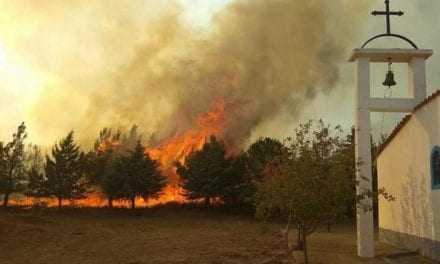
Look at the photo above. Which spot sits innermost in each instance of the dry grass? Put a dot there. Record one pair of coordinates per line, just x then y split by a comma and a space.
161, 235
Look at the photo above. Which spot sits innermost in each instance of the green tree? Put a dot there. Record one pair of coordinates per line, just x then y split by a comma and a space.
343, 168
36, 183
236, 186
206, 172
65, 171
106, 176
140, 175
260, 154
101, 163
309, 182
375, 148
313, 181
12, 169
129, 140
335, 154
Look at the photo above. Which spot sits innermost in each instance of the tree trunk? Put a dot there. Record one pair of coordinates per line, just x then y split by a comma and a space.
286, 233
6, 200
133, 203
110, 202
304, 240
60, 202
207, 201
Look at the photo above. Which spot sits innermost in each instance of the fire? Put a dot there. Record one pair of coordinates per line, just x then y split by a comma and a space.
169, 151
109, 144
180, 146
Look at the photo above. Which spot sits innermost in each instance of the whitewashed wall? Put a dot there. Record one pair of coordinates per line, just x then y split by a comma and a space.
404, 170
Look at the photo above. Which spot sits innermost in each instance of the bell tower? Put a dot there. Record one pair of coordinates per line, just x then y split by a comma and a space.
415, 59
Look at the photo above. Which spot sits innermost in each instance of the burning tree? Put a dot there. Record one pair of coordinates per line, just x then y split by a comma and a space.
121, 168
101, 164
179, 147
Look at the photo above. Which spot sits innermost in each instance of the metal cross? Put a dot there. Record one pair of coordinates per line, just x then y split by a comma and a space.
387, 13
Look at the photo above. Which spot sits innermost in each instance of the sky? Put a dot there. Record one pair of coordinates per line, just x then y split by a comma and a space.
199, 12
55, 57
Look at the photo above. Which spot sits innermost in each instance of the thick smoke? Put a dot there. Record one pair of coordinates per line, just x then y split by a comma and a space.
261, 57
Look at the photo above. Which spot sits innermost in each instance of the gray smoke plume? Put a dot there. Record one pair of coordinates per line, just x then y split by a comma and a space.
261, 57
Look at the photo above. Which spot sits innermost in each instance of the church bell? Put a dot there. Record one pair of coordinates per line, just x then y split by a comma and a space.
389, 79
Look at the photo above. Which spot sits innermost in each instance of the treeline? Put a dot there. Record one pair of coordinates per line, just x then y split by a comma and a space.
118, 167
213, 174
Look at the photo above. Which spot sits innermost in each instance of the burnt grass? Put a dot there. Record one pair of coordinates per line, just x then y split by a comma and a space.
166, 234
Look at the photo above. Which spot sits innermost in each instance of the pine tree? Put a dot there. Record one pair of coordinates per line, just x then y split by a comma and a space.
110, 182
206, 172
65, 171
36, 186
12, 169
237, 187
36, 182
109, 160
101, 163
140, 174
260, 154
129, 140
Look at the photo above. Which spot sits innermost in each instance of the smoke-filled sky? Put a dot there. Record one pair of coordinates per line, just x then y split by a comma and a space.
84, 65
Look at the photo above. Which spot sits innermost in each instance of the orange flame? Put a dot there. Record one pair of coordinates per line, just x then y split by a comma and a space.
108, 144
171, 150
180, 146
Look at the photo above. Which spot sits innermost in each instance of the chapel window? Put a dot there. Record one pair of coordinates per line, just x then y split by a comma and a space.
435, 167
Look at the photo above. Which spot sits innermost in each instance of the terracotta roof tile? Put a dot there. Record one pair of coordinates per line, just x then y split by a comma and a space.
405, 120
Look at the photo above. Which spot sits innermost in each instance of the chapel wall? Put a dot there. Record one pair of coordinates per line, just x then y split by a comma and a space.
404, 170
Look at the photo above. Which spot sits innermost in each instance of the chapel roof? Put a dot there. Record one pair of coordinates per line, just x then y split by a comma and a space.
406, 119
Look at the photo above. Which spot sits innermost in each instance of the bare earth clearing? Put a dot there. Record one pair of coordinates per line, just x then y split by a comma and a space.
161, 235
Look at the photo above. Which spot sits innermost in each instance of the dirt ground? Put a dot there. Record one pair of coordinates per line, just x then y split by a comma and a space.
161, 235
